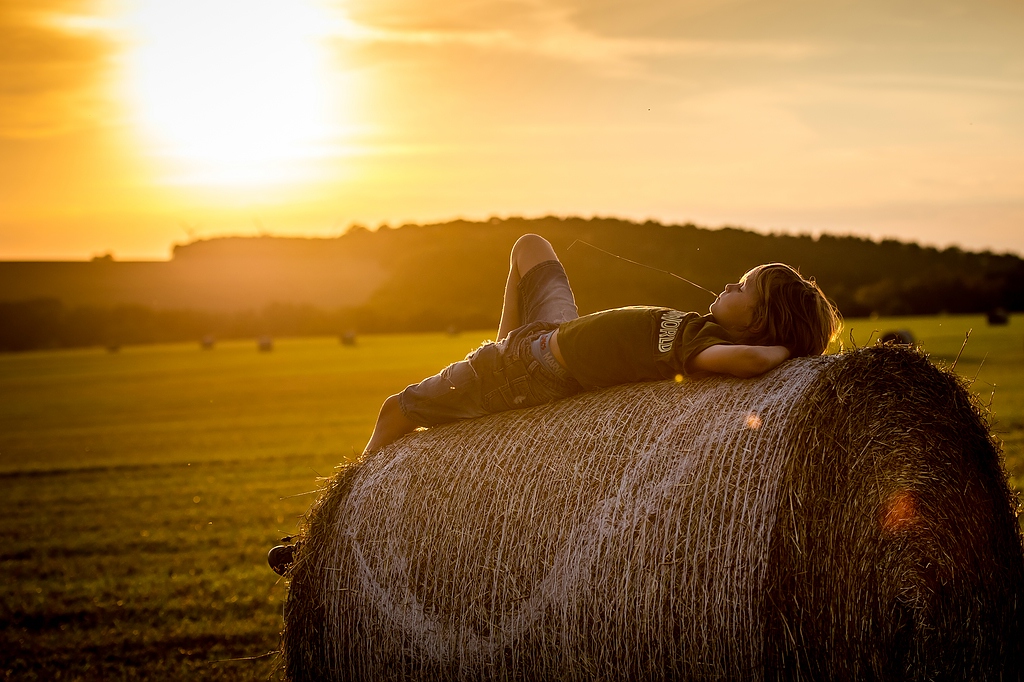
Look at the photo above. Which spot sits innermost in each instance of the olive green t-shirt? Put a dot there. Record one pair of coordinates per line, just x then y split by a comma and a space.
638, 343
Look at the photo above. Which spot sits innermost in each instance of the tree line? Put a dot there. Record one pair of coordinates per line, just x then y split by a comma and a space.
450, 275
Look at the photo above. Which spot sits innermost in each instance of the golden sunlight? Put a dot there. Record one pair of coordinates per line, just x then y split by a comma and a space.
232, 93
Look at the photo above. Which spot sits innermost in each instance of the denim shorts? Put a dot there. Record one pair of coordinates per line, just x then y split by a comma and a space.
545, 295
509, 374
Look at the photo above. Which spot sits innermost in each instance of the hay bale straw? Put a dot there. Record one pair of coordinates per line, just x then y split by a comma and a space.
842, 517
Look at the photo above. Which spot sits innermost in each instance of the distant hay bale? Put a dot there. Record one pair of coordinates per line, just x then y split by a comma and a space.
903, 337
998, 316
843, 517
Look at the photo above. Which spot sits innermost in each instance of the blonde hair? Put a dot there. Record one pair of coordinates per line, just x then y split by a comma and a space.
792, 312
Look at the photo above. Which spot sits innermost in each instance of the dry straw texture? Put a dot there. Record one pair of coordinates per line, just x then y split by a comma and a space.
839, 518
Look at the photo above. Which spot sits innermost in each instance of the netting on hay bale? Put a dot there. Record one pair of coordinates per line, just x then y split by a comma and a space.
844, 517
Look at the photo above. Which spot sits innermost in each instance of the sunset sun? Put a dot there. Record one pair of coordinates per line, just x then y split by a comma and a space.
233, 93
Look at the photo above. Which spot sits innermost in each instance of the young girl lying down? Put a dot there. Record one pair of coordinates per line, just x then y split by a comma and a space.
546, 351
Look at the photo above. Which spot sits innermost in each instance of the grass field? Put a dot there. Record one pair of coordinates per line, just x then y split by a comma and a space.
142, 489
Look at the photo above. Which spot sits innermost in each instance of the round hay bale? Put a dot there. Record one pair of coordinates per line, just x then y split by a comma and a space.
841, 517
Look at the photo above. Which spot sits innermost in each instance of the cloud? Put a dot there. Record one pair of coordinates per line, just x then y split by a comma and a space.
53, 56
953, 36
542, 28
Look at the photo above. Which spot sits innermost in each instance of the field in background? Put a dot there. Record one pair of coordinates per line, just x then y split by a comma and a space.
142, 489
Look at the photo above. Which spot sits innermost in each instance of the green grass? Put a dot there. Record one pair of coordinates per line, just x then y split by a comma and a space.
142, 489
177, 404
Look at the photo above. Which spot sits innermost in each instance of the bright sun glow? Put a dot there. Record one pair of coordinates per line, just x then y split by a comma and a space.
234, 93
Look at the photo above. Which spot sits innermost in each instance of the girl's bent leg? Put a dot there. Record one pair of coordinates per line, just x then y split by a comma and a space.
528, 251
391, 425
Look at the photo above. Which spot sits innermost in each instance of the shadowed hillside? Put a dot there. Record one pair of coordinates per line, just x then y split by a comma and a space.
230, 274
440, 276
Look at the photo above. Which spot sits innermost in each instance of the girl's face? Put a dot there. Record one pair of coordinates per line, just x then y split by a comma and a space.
734, 307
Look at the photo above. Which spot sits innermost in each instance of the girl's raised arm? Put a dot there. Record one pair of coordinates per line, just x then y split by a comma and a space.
740, 361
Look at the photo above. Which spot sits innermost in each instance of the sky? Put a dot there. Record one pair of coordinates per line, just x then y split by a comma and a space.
129, 125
